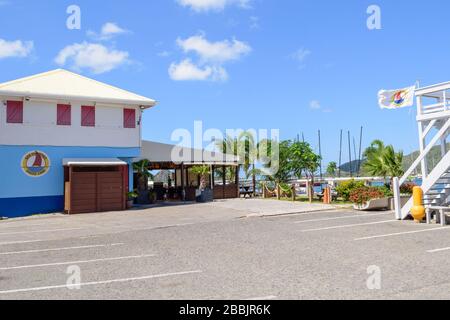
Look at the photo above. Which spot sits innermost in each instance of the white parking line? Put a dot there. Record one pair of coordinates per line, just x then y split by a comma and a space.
21, 242
401, 233
438, 250
76, 262
62, 249
65, 286
38, 231
343, 217
349, 226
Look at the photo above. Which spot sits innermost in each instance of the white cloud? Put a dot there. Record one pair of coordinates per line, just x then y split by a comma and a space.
211, 58
213, 5
108, 31
300, 55
188, 71
218, 52
164, 54
18, 48
315, 105
94, 57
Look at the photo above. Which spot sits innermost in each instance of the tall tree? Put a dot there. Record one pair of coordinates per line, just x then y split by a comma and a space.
143, 175
382, 160
332, 169
302, 159
245, 147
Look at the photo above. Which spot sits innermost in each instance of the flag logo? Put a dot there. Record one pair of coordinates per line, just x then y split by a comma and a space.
395, 99
399, 98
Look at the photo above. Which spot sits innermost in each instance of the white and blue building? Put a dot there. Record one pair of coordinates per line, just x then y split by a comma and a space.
57, 126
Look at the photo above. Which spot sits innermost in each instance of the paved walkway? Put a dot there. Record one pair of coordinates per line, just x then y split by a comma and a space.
267, 207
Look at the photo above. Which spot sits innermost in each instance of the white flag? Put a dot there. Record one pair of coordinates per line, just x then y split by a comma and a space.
395, 99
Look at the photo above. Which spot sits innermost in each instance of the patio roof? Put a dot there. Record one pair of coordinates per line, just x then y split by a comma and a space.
156, 152
93, 162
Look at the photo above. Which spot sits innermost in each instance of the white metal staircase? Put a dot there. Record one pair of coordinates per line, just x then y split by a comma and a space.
434, 117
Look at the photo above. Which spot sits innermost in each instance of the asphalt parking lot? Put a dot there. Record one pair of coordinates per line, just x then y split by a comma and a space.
219, 252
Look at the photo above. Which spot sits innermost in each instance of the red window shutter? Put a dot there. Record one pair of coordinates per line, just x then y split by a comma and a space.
88, 116
64, 117
129, 118
14, 112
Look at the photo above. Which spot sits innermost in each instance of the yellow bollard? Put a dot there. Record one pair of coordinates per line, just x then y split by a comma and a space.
418, 210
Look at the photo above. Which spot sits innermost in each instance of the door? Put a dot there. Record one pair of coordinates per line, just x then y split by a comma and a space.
96, 192
109, 191
83, 192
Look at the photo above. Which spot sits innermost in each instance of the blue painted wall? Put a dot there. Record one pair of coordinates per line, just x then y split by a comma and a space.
22, 195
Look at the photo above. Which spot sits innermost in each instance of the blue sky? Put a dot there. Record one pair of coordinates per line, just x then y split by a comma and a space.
297, 66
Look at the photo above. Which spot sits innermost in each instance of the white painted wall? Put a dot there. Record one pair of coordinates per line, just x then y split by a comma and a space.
40, 128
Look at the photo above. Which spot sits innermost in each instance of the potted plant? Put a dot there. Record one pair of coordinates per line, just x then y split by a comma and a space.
206, 194
370, 198
131, 196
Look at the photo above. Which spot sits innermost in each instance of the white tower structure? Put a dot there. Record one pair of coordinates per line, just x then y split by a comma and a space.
433, 118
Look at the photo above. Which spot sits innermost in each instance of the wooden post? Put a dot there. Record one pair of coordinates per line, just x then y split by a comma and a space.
311, 191
175, 179
183, 189
293, 192
278, 191
224, 181
254, 181
238, 182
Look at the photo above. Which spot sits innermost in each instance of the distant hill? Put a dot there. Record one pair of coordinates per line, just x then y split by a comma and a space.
408, 160
433, 158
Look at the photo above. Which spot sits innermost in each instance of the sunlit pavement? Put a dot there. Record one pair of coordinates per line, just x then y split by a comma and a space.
223, 251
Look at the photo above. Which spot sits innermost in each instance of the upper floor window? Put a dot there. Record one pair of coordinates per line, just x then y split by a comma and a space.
129, 118
14, 112
88, 116
64, 117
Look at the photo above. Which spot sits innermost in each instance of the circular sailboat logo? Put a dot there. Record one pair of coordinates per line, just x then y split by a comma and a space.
36, 164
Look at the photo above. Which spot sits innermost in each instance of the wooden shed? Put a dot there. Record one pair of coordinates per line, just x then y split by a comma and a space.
95, 185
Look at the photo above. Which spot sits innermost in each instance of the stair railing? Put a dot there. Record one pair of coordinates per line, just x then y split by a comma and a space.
397, 183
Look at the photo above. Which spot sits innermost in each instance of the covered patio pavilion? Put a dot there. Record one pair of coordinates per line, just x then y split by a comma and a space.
224, 180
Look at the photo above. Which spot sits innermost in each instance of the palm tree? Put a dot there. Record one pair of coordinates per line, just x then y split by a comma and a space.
245, 147
382, 160
141, 169
203, 172
332, 168
374, 164
247, 142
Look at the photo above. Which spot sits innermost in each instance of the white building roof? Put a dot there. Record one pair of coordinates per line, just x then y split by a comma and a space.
166, 153
64, 85
94, 162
